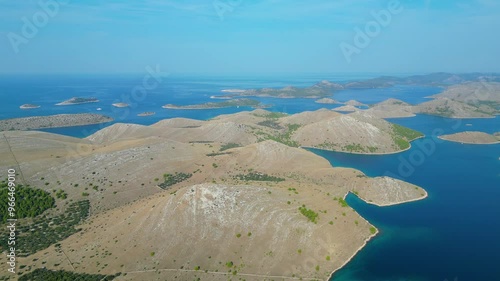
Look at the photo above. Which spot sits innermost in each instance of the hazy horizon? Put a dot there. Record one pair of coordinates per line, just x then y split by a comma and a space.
249, 37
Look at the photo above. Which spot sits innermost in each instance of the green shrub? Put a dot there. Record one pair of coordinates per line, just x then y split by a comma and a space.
310, 214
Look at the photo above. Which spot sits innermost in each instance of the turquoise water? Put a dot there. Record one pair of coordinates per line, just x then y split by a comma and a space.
452, 234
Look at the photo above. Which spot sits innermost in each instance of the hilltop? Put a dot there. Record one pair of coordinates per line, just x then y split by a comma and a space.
391, 108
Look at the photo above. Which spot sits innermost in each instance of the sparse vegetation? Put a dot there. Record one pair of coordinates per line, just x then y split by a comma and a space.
284, 138
256, 176
60, 194
343, 203
271, 124
229, 146
44, 231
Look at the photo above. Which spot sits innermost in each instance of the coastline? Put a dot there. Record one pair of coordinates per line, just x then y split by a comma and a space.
369, 154
357, 251
369, 238
455, 117
426, 195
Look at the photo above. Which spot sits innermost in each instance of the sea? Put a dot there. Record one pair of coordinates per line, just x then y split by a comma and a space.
452, 235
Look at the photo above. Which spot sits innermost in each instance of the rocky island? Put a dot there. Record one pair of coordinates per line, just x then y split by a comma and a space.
213, 105
76, 100
473, 138
29, 106
147, 113
52, 121
120, 104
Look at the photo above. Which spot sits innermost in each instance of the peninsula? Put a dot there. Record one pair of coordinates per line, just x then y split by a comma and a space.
76, 100
52, 121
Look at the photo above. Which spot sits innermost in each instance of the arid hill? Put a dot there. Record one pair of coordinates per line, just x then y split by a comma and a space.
185, 199
473, 93
468, 100
327, 101
454, 109
391, 108
357, 132
354, 103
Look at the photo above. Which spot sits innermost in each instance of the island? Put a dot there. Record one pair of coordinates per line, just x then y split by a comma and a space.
77, 100
221, 97
470, 137
52, 121
120, 104
262, 204
319, 90
224, 104
147, 113
29, 106
325, 89
468, 100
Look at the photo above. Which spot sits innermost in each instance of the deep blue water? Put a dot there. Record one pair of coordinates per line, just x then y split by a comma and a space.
454, 233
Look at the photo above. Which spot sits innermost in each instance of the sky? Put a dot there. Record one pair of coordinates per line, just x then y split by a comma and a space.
249, 36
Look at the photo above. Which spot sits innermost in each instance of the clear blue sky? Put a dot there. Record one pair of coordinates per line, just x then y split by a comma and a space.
254, 36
